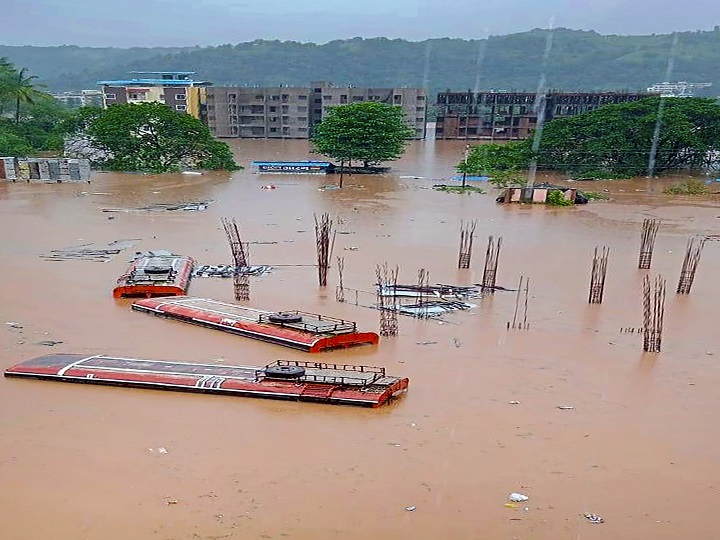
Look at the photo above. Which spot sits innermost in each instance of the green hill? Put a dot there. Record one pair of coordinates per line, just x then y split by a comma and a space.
578, 60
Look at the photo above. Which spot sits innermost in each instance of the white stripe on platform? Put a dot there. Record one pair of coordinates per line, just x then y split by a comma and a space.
74, 364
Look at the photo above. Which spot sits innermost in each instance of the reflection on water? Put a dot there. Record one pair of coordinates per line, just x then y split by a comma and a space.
636, 448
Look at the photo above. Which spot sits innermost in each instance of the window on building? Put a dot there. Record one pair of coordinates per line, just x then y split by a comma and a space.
358, 98
110, 96
272, 118
285, 118
138, 96
233, 130
302, 98
302, 109
285, 108
232, 98
420, 109
302, 129
273, 130
422, 98
258, 96
180, 97
419, 119
285, 97
272, 109
180, 107
343, 98
302, 118
318, 90
275, 98
317, 100
327, 97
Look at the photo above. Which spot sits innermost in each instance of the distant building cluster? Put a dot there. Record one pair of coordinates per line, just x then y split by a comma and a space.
512, 115
285, 112
84, 98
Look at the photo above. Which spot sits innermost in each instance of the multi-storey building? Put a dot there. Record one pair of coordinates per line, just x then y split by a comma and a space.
278, 112
291, 112
512, 115
176, 89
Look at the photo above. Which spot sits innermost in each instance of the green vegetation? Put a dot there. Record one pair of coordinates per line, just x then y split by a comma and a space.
557, 198
368, 132
30, 120
689, 187
509, 62
150, 137
615, 141
503, 163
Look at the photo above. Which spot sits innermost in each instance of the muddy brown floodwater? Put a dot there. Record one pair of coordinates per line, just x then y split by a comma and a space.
640, 447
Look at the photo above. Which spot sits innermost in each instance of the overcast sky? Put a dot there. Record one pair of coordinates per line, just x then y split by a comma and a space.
128, 23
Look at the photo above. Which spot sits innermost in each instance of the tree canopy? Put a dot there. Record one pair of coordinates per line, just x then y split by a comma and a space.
30, 120
151, 137
615, 141
368, 132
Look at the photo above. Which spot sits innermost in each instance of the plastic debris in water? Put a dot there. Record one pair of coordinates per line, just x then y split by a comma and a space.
411, 508
518, 497
511, 505
594, 518
565, 407
514, 402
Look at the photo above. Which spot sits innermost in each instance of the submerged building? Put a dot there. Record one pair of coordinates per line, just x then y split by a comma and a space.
513, 115
285, 112
176, 89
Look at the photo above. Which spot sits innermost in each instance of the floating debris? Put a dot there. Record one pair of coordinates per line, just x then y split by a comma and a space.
438, 291
90, 252
13, 325
228, 271
411, 508
189, 206
565, 407
518, 497
49, 342
594, 518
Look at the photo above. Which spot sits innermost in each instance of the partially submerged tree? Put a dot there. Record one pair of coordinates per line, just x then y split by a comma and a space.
151, 137
615, 141
368, 132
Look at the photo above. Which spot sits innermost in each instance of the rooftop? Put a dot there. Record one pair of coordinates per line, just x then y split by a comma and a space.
154, 82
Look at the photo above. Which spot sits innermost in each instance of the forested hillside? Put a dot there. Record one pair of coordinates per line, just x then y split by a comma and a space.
578, 60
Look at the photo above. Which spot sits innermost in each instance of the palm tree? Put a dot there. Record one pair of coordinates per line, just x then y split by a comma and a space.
23, 90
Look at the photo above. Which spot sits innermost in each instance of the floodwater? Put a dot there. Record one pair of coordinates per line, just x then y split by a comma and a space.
639, 448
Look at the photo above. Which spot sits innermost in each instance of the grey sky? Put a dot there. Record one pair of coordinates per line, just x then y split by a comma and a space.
210, 22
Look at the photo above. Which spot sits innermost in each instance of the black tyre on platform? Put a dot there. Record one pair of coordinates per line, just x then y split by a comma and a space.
285, 318
284, 372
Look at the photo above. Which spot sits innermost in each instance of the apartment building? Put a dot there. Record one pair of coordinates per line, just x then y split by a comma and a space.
176, 89
285, 112
513, 115
274, 113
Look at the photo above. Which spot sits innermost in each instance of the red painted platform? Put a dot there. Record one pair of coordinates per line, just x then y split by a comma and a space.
311, 333
155, 275
295, 380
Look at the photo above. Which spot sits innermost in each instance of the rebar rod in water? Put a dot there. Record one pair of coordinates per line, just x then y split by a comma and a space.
597, 276
647, 242
693, 251
467, 232
325, 241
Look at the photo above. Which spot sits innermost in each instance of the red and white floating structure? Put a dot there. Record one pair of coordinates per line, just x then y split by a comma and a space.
157, 273
295, 380
307, 332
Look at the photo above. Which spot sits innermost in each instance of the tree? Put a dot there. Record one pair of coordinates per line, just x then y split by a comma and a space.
151, 137
369, 132
502, 162
617, 140
18, 87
